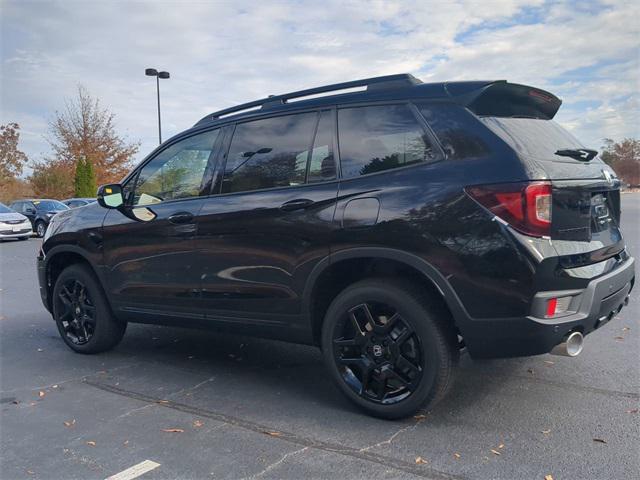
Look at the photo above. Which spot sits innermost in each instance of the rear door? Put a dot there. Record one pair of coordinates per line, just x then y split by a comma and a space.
149, 244
270, 221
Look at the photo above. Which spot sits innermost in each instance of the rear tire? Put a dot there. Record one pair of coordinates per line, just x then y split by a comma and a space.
402, 362
82, 313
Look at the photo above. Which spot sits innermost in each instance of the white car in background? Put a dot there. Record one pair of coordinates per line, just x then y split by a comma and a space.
13, 224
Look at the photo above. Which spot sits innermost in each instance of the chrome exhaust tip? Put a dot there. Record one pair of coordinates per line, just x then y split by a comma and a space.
571, 346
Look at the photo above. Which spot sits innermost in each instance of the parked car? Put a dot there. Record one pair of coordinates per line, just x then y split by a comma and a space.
392, 227
78, 202
13, 224
39, 211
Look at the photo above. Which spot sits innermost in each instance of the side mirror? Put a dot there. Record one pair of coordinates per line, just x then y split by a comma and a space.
110, 196
31, 210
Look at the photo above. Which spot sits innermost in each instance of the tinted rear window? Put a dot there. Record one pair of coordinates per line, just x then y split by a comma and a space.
377, 138
533, 137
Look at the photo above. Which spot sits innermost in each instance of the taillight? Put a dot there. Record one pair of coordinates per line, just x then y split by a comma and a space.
526, 206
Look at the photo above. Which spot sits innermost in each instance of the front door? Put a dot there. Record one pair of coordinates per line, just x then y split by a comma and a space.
259, 239
148, 245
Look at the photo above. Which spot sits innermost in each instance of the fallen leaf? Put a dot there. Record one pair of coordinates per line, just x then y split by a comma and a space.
15, 402
530, 370
599, 440
495, 452
173, 430
457, 455
546, 432
197, 424
54, 386
420, 417
30, 472
421, 461
619, 338
625, 329
549, 362
548, 477
633, 410
126, 442
91, 443
501, 446
70, 423
273, 434
41, 394
32, 404
163, 401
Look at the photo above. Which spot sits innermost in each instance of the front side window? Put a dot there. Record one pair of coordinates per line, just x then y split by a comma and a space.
176, 172
269, 153
381, 137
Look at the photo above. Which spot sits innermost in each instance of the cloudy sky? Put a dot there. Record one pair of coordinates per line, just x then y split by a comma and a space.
223, 53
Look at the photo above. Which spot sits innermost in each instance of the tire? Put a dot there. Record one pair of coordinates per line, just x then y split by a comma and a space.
41, 228
84, 320
410, 353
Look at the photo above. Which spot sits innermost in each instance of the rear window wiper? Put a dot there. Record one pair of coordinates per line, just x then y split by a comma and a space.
582, 154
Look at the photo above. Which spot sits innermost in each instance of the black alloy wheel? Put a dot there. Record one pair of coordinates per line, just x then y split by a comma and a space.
81, 311
390, 346
377, 353
77, 312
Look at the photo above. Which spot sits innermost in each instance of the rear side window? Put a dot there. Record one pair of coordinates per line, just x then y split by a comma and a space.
268, 153
377, 138
460, 134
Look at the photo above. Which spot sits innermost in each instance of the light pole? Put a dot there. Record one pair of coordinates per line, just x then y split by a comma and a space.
152, 72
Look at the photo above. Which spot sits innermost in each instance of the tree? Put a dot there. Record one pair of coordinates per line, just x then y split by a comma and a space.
51, 180
624, 158
85, 179
86, 130
12, 160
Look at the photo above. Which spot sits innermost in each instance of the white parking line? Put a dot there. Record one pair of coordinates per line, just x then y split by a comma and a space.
135, 471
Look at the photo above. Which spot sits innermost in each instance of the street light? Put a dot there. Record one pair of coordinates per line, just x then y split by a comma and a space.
152, 72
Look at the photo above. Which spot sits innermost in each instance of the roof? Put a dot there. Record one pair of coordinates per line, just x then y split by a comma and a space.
370, 89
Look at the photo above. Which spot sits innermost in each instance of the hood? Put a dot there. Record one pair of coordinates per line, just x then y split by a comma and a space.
6, 217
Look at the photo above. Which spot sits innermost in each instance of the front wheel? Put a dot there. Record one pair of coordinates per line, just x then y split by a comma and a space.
390, 348
82, 314
41, 228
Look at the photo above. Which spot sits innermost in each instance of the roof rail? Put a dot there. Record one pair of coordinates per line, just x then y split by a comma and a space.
375, 83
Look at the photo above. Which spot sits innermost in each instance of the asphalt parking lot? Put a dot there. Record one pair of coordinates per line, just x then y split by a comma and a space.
207, 406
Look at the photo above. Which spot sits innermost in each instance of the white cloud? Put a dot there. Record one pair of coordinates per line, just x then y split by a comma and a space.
223, 53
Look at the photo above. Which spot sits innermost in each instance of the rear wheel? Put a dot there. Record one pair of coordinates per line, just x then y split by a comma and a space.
82, 314
41, 228
390, 348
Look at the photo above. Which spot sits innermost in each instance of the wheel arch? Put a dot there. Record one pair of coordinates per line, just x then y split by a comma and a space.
61, 257
343, 268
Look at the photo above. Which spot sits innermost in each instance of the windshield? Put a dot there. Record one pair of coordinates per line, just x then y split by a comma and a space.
5, 209
50, 205
533, 137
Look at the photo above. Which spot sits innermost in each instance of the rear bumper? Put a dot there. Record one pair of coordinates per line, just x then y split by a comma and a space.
595, 305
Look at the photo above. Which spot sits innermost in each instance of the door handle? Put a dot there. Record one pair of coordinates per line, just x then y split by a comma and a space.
297, 204
181, 217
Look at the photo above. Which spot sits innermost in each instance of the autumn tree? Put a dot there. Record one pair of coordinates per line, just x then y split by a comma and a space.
85, 179
624, 158
12, 159
51, 180
87, 130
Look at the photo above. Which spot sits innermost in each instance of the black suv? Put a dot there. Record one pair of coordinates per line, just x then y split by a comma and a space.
391, 226
39, 211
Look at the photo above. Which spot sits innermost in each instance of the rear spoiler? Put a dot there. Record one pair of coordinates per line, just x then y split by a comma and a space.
502, 99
